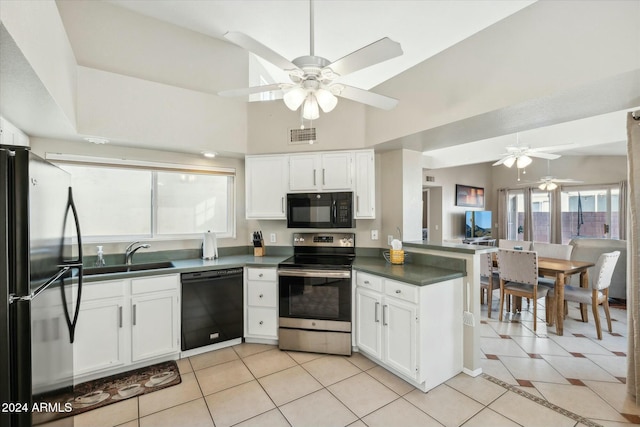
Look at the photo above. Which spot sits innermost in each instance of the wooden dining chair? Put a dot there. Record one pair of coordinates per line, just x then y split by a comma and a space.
486, 280
519, 278
598, 293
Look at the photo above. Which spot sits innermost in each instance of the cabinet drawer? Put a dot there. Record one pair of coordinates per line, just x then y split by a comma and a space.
401, 290
369, 281
262, 294
154, 283
96, 291
262, 321
264, 274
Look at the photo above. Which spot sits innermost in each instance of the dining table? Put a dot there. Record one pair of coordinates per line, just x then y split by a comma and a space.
562, 269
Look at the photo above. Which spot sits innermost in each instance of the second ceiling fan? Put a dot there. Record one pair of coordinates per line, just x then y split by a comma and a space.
313, 77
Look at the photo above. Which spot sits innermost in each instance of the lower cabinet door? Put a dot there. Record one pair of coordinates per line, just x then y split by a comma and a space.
400, 326
99, 337
262, 322
154, 325
368, 322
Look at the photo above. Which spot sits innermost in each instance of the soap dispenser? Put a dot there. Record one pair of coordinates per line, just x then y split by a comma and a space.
100, 259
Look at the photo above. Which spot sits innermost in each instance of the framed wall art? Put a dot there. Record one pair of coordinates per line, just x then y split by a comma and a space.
467, 196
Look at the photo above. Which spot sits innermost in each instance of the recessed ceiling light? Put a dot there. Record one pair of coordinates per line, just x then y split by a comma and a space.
97, 140
209, 154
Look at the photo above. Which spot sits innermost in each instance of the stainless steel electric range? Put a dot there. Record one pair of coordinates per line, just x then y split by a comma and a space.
315, 294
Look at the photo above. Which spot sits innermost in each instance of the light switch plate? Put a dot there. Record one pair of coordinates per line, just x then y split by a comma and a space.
272, 237
374, 234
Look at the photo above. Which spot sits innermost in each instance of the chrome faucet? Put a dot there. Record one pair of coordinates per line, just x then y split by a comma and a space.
128, 253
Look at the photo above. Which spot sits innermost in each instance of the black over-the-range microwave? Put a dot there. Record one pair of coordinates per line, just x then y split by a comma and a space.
320, 210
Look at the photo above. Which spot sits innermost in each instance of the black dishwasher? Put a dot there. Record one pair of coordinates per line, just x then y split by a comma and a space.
211, 307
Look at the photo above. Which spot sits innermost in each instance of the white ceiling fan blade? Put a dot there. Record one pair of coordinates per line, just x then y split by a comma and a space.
259, 49
501, 161
367, 56
565, 180
250, 90
542, 155
366, 97
553, 148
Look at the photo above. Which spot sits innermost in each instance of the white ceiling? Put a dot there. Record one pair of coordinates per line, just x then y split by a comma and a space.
423, 28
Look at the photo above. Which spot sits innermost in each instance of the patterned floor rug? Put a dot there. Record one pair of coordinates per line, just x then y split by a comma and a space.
104, 391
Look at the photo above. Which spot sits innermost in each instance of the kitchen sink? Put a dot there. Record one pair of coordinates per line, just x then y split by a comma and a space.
127, 268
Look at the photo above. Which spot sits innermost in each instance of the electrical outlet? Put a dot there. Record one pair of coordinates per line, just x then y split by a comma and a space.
272, 237
374, 234
389, 239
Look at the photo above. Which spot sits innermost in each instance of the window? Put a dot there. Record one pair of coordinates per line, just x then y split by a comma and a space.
540, 207
118, 201
590, 212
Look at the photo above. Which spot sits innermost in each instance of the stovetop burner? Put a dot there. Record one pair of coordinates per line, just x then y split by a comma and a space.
321, 251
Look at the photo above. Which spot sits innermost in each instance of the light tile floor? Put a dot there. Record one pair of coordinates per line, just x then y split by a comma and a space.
530, 379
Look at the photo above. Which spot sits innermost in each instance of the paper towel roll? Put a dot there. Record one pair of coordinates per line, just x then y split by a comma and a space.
209, 246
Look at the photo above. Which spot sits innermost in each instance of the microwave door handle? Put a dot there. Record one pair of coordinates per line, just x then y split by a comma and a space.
335, 212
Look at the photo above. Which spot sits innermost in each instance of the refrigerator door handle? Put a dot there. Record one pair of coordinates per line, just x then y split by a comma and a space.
71, 323
13, 298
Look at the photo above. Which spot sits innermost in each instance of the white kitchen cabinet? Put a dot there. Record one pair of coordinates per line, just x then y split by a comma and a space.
365, 185
11, 135
261, 321
100, 336
330, 171
155, 319
126, 322
414, 331
267, 183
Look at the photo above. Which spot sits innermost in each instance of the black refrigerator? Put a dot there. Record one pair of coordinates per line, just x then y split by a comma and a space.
40, 285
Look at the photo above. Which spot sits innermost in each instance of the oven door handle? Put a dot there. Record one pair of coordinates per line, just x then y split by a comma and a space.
315, 273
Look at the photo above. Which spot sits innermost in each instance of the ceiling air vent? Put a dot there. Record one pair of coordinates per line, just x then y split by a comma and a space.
429, 178
302, 136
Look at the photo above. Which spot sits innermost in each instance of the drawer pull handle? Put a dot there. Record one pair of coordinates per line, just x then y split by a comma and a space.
261, 322
366, 282
260, 275
376, 312
260, 296
398, 291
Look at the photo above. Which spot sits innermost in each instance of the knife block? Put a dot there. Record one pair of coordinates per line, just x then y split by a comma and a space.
259, 251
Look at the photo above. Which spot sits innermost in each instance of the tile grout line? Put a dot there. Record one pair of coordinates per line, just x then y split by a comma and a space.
542, 402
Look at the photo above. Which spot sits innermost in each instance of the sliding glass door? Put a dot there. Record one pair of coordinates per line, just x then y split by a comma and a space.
589, 212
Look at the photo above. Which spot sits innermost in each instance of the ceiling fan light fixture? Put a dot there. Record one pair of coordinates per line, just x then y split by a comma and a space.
509, 161
326, 100
294, 98
310, 109
523, 161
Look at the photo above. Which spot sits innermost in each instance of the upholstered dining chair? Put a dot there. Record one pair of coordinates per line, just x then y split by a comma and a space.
519, 278
598, 293
486, 280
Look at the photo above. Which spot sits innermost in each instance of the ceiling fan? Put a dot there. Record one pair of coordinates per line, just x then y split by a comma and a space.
549, 183
522, 155
313, 77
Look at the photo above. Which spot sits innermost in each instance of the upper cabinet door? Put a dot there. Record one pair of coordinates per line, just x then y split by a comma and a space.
303, 172
266, 186
337, 171
321, 171
365, 185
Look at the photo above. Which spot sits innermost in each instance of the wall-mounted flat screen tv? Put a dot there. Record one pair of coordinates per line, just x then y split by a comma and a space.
477, 224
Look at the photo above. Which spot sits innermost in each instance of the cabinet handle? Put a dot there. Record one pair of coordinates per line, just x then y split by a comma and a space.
384, 317
398, 291
377, 319
261, 322
358, 204
314, 177
134, 315
323, 176
366, 282
120, 316
260, 275
282, 203
260, 296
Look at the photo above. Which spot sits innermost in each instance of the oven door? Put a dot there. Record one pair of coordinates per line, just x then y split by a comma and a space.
315, 294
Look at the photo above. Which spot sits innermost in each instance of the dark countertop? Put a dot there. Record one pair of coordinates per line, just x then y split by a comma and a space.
415, 274
191, 265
